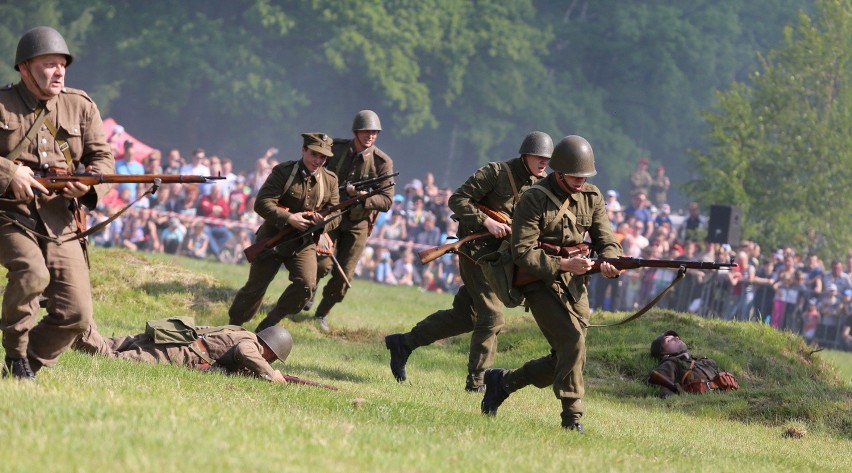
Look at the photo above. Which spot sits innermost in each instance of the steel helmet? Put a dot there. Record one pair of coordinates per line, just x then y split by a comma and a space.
537, 143
573, 156
366, 120
39, 41
657, 344
278, 339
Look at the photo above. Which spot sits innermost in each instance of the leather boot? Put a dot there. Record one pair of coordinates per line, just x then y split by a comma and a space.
18, 368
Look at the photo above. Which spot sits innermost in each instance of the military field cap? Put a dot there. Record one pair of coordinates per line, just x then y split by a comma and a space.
319, 142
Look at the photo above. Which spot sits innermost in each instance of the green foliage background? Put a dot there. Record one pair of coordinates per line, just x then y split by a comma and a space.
456, 82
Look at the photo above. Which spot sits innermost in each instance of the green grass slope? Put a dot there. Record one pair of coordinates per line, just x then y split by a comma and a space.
792, 413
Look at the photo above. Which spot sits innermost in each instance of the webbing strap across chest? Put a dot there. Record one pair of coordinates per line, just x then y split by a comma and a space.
563, 205
369, 164
30, 136
515, 194
292, 177
63, 145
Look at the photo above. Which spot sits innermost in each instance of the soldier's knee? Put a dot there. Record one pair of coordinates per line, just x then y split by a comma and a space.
31, 281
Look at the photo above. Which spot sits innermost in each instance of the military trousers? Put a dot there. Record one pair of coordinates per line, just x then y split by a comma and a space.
58, 272
302, 268
350, 239
135, 348
476, 309
564, 325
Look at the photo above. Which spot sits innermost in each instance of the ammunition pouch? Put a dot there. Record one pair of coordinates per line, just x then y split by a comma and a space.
498, 269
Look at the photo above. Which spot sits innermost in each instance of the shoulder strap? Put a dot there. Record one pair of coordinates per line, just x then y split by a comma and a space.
63, 145
292, 176
30, 136
320, 188
687, 373
563, 205
515, 194
369, 165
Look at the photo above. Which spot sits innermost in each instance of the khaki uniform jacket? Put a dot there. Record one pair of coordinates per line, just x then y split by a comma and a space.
232, 348
488, 186
236, 349
306, 192
78, 122
673, 369
641, 181
350, 166
534, 221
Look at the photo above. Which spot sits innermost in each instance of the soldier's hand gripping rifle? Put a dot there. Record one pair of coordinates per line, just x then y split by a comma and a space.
328, 214
454, 247
522, 277
366, 184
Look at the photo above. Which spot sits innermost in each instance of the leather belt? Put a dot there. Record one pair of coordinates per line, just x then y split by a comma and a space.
199, 346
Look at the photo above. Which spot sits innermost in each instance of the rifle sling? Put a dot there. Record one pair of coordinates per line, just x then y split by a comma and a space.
515, 194
680, 274
63, 145
100, 226
42, 114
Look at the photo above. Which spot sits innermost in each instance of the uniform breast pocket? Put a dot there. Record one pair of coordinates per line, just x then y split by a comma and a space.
72, 135
584, 221
10, 132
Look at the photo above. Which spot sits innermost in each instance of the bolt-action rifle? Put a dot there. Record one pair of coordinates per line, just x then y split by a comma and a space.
522, 277
55, 181
366, 184
454, 247
295, 379
328, 214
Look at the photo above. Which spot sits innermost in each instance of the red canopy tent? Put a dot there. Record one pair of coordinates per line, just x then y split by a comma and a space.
117, 135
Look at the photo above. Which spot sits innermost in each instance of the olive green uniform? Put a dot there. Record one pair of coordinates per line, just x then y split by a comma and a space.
559, 302
37, 266
275, 203
677, 370
230, 347
350, 237
476, 307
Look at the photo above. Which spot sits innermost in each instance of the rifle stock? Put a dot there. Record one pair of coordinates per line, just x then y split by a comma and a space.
494, 214
55, 182
438, 251
295, 379
253, 251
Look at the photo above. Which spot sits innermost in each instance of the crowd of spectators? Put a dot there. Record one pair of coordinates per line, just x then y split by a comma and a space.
215, 221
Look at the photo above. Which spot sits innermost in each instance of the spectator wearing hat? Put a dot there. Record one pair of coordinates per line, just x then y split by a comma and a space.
664, 216
830, 313
660, 186
640, 178
613, 208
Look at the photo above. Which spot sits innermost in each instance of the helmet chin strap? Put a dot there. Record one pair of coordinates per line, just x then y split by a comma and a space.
29, 80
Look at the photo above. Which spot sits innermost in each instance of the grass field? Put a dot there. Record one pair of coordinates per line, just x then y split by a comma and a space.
792, 413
